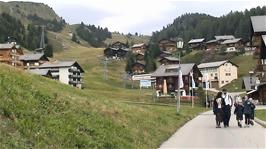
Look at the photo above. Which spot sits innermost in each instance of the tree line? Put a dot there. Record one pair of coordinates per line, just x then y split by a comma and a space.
92, 34
195, 25
28, 36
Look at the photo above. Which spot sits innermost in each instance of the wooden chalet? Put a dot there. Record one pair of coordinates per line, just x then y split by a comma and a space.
118, 45
258, 40
164, 54
233, 45
138, 67
33, 60
197, 44
9, 54
139, 57
169, 60
168, 45
139, 48
116, 53
212, 45
168, 75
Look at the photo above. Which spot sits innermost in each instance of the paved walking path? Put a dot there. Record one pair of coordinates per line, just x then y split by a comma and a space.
201, 133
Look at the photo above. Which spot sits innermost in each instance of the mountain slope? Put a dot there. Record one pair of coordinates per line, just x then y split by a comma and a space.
195, 25
22, 11
36, 112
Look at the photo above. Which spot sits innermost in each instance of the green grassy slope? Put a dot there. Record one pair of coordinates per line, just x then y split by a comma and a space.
21, 10
36, 112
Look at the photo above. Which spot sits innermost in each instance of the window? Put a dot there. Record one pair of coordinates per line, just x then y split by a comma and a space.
211, 75
228, 74
226, 81
222, 82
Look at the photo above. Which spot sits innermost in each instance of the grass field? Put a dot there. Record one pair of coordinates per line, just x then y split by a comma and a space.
36, 112
261, 114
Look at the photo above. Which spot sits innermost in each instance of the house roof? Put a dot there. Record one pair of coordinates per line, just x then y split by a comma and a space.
59, 64
212, 41
170, 58
224, 37
248, 82
167, 40
196, 40
214, 64
138, 45
7, 45
31, 57
231, 41
42, 72
140, 62
258, 23
172, 70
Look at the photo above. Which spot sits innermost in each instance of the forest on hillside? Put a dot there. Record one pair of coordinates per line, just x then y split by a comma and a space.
28, 36
195, 25
95, 36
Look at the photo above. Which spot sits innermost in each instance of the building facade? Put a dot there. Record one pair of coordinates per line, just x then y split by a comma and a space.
218, 73
31, 61
197, 44
167, 78
67, 72
167, 45
258, 40
139, 48
10, 53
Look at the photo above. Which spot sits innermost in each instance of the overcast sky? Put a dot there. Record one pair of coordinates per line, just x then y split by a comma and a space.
142, 16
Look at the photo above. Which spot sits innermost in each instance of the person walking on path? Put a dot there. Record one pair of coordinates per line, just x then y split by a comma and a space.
217, 109
227, 102
239, 111
248, 107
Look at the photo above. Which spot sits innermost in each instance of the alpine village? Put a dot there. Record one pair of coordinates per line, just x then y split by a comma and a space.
82, 86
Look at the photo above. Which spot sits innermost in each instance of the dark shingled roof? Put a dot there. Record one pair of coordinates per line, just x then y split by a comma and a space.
170, 58
31, 57
196, 40
258, 23
59, 64
230, 41
224, 37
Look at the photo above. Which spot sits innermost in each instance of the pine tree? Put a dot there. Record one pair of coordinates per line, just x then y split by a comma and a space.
130, 61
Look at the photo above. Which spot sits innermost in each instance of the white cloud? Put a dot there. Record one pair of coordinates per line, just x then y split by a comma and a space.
141, 15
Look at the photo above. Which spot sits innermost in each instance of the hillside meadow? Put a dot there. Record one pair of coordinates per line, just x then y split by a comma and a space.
36, 112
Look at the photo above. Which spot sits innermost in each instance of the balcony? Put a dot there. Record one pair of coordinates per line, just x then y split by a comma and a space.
73, 70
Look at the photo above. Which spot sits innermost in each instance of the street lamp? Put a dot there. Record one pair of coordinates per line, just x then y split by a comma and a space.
179, 46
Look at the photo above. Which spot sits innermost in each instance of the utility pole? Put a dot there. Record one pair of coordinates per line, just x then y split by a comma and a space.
179, 45
42, 42
104, 60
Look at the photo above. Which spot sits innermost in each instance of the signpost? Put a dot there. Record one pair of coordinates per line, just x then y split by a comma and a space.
179, 46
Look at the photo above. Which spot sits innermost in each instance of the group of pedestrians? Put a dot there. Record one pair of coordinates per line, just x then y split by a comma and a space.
223, 104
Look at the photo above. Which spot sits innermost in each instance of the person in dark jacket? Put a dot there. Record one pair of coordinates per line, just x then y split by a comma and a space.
227, 104
239, 110
248, 111
217, 109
